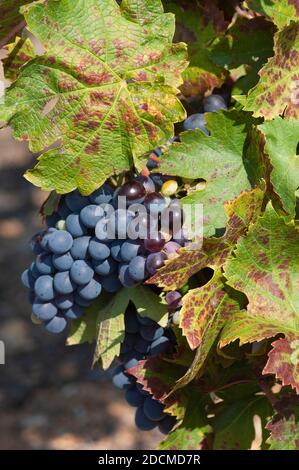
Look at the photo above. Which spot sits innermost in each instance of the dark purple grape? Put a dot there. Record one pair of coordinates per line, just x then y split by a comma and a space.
147, 183
153, 409
133, 191
154, 244
142, 422
173, 299
134, 397
155, 203
171, 249
166, 424
155, 261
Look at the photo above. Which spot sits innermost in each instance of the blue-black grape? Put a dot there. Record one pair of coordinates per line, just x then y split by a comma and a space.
115, 249
129, 249
106, 267
166, 424
124, 276
64, 302
44, 310
80, 246
98, 250
134, 397
196, 121
74, 312
43, 288
91, 214
81, 273
75, 201
151, 332
159, 346
91, 290
120, 379
44, 263
102, 195
137, 269
213, 103
74, 225
63, 283
63, 262
56, 324
153, 409
142, 421
28, 279
60, 242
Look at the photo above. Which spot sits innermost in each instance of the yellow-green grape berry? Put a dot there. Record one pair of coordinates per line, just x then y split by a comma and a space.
176, 317
169, 188
35, 320
61, 225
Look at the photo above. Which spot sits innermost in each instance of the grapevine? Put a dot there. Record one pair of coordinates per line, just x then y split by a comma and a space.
167, 139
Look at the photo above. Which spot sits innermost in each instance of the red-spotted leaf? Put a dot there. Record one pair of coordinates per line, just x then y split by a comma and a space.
198, 24
106, 87
158, 376
277, 90
281, 141
204, 311
240, 213
266, 269
284, 433
281, 12
217, 159
284, 361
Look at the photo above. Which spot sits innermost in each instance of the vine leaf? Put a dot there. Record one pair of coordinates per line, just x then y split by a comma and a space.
277, 90
266, 269
217, 159
158, 376
232, 419
10, 17
241, 211
198, 25
284, 433
203, 312
281, 141
110, 319
247, 42
18, 54
281, 12
283, 361
106, 86
194, 429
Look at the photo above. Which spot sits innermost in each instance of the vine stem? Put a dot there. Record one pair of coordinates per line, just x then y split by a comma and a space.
12, 33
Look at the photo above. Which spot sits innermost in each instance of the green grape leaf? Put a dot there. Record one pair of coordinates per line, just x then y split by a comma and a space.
18, 54
281, 12
158, 376
231, 421
110, 319
281, 141
198, 24
84, 329
148, 304
204, 312
284, 433
106, 88
283, 361
217, 159
277, 90
10, 19
247, 42
242, 211
191, 433
111, 329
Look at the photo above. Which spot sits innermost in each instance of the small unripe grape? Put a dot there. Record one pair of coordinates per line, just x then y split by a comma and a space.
61, 225
176, 317
169, 188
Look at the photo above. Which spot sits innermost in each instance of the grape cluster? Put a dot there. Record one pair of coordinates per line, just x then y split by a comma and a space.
211, 104
143, 338
76, 258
